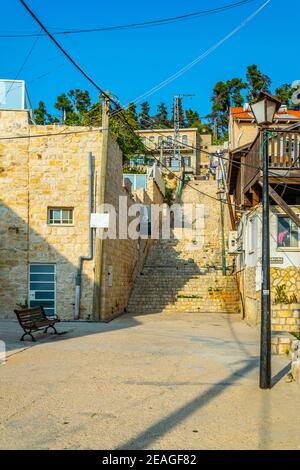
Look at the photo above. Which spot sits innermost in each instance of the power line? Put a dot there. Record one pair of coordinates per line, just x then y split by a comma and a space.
139, 25
103, 93
23, 63
67, 54
200, 57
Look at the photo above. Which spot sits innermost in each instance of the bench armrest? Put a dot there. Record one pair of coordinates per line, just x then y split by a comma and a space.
53, 317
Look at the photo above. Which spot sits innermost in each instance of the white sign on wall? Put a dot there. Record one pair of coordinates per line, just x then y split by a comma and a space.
99, 220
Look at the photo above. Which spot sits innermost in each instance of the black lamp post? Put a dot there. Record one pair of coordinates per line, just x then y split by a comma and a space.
264, 110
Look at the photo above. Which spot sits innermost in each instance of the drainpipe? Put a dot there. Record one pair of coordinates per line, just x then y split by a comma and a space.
89, 257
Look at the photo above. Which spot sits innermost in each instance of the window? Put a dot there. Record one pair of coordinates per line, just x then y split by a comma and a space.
184, 139
160, 140
287, 233
60, 216
187, 161
144, 140
152, 139
169, 140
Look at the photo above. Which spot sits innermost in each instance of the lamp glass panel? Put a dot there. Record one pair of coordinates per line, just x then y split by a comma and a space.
258, 110
271, 108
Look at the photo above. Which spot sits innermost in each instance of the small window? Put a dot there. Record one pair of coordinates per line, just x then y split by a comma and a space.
152, 139
169, 140
60, 216
160, 140
184, 139
187, 161
143, 140
287, 233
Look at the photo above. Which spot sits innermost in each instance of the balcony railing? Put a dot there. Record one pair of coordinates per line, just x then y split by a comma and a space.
284, 153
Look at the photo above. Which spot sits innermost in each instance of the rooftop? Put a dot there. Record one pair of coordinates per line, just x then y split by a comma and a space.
284, 114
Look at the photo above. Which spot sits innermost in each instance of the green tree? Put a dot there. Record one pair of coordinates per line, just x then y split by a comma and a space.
257, 82
132, 116
192, 118
220, 109
162, 118
144, 116
81, 100
235, 86
68, 115
122, 126
93, 116
41, 116
284, 93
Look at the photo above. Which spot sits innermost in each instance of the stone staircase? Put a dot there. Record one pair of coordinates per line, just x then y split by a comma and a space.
182, 276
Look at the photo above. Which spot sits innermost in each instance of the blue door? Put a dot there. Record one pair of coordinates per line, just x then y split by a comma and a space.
42, 287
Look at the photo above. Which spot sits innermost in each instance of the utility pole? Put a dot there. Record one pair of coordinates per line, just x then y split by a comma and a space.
223, 193
99, 287
265, 349
176, 143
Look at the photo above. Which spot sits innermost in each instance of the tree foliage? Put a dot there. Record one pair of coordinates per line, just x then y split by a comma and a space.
162, 119
284, 93
144, 116
257, 82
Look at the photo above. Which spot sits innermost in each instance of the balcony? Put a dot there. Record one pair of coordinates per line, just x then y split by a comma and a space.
284, 161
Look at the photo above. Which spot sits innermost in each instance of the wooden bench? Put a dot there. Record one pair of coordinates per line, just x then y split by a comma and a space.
34, 319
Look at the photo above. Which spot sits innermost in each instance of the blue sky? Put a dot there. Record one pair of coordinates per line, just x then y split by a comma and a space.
130, 62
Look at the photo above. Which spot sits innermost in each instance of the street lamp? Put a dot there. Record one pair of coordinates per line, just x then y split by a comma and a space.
263, 111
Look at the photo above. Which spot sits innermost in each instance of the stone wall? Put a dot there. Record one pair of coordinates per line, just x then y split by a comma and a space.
123, 257
288, 277
286, 317
38, 173
49, 168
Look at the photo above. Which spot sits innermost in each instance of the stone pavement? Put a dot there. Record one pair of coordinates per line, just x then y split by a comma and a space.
164, 381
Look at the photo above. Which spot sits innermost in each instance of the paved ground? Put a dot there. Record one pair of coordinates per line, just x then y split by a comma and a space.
155, 381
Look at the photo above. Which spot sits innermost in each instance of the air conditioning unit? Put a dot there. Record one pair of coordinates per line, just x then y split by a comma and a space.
233, 247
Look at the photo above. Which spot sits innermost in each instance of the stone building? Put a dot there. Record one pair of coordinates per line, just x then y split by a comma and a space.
51, 178
244, 181
243, 129
161, 142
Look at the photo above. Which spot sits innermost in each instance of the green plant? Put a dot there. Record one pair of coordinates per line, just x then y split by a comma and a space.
296, 334
188, 297
281, 295
293, 299
138, 170
24, 305
211, 290
169, 195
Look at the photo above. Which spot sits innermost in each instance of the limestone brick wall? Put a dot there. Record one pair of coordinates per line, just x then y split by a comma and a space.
41, 171
286, 317
124, 258
37, 173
